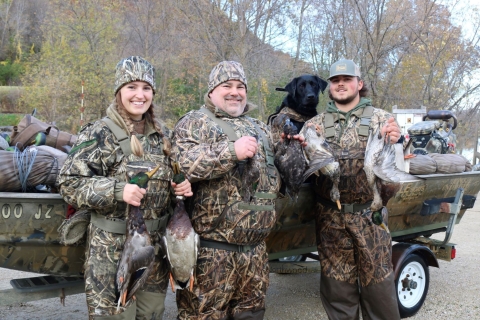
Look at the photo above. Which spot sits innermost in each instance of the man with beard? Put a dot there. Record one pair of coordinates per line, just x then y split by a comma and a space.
355, 254
228, 155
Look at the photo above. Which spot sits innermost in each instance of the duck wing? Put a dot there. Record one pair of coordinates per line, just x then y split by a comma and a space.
384, 165
317, 151
142, 264
137, 257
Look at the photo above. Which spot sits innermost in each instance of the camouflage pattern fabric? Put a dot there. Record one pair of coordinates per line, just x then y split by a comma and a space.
225, 71
208, 158
227, 284
104, 249
95, 169
350, 151
97, 164
134, 68
424, 127
350, 246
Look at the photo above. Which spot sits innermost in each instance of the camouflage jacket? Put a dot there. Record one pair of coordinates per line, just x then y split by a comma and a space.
349, 148
208, 158
96, 171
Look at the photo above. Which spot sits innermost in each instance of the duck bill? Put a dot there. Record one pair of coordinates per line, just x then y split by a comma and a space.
152, 172
384, 226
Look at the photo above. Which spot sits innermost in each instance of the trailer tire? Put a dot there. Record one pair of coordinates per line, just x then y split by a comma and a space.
411, 285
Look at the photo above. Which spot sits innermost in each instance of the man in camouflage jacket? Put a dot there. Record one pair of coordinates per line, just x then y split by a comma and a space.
227, 154
355, 254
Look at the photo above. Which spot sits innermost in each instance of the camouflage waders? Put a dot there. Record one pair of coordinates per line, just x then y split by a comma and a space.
229, 285
103, 252
355, 253
93, 178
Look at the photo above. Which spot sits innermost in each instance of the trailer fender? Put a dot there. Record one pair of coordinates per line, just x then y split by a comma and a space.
402, 250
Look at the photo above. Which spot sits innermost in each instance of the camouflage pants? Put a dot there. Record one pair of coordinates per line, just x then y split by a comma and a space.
351, 247
103, 252
229, 285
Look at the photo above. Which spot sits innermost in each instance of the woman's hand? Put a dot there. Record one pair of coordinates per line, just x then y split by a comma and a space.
133, 194
182, 189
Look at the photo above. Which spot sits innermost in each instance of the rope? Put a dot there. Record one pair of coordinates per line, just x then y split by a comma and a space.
24, 160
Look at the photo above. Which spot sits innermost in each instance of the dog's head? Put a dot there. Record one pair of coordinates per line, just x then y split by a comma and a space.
303, 94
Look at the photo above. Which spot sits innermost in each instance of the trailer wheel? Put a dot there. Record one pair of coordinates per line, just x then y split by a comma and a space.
412, 285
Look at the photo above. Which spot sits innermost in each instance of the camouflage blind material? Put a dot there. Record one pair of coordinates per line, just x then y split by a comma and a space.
424, 127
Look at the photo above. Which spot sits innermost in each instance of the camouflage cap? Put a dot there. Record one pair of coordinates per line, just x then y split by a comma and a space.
225, 71
344, 67
134, 68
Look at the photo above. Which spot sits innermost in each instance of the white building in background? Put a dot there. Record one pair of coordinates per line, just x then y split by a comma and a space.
408, 117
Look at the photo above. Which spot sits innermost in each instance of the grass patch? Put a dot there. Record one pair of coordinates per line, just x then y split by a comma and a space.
8, 119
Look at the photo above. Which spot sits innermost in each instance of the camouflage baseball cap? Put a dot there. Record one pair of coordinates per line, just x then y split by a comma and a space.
134, 68
344, 67
225, 71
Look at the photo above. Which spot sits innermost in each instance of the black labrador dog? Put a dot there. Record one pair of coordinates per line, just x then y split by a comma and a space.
302, 96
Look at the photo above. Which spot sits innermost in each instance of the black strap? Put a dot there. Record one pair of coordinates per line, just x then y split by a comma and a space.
226, 246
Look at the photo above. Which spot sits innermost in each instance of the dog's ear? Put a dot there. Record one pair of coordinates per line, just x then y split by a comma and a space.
291, 87
322, 84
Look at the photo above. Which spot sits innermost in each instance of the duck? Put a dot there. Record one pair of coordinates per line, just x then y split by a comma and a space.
320, 157
380, 164
289, 158
138, 255
180, 243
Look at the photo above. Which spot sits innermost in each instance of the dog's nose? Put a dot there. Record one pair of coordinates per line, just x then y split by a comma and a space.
310, 96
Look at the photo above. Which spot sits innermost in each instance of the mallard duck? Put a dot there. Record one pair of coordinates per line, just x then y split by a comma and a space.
180, 242
138, 254
137, 259
379, 162
289, 158
320, 157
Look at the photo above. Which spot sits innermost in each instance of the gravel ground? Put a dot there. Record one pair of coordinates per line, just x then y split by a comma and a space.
453, 292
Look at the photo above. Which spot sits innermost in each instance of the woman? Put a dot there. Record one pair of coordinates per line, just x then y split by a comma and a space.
96, 175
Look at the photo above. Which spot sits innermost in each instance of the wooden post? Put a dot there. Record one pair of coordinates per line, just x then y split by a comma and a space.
82, 108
